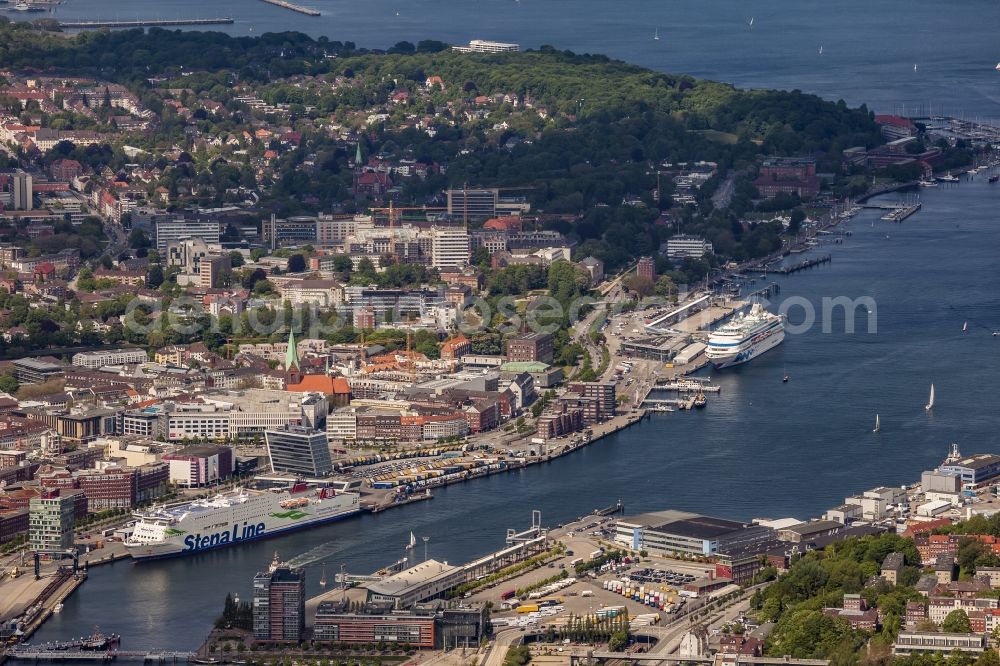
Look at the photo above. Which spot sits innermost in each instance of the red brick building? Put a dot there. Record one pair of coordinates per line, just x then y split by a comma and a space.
932, 546
65, 169
13, 523
112, 488
856, 612
456, 347
469, 277
530, 347
335, 623
372, 184
895, 127
379, 426
558, 420
915, 611
482, 415
732, 644
646, 268
788, 175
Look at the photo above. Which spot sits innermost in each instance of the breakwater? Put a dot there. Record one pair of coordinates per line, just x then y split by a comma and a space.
308, 11
143, 23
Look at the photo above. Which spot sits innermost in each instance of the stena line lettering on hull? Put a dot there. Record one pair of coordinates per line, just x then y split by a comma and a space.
248, 532
193, 527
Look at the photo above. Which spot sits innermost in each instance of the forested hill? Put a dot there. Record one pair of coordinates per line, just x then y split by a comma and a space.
594, 86
585, 85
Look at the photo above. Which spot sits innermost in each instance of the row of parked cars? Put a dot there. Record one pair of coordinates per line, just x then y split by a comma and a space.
647, 575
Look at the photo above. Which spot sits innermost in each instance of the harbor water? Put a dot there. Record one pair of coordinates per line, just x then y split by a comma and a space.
896, 57
761, 448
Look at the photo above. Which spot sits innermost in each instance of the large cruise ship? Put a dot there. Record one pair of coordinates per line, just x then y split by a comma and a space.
745, 337
230, 518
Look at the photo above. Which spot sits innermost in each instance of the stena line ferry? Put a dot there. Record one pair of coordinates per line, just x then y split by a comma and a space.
233, 517
745, 337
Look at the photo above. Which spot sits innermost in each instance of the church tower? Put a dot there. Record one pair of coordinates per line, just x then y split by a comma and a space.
293, 371
357, 168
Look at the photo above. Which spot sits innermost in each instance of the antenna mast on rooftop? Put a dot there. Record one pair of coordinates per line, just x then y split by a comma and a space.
465, 204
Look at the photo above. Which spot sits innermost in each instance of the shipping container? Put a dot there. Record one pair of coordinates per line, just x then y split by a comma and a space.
509, 594
527, 608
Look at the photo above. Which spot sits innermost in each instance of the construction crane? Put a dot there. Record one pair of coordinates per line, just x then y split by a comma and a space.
394, 213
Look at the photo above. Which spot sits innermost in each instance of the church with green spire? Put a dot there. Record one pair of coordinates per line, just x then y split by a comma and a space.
293, 369
336, 389
358, 164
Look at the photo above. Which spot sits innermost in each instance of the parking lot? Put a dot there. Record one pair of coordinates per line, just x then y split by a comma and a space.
647, 575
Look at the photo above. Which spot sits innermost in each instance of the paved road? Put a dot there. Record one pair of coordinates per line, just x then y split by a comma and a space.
502, 641
724, 193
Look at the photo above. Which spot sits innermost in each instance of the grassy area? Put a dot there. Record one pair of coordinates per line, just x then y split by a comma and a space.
506, 572
605, 362
726, 138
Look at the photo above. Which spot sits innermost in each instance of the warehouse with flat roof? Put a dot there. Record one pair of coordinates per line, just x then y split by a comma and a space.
427, 580
976, 470
680, 532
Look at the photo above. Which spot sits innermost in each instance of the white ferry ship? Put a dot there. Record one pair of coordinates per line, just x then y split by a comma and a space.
745, 337
233, 517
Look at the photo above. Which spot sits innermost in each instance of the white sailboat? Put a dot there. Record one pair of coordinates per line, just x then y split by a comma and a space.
656, 34
930, 402
413, 541
821, 50
322, 580
965, 327
878, 424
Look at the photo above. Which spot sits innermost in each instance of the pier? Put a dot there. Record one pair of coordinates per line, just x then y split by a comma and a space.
662, 405
801, 266
375, 508
688, 386
901, 213
62, 584
308, 11
618, 507
143, 23
765, 292
49, 654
